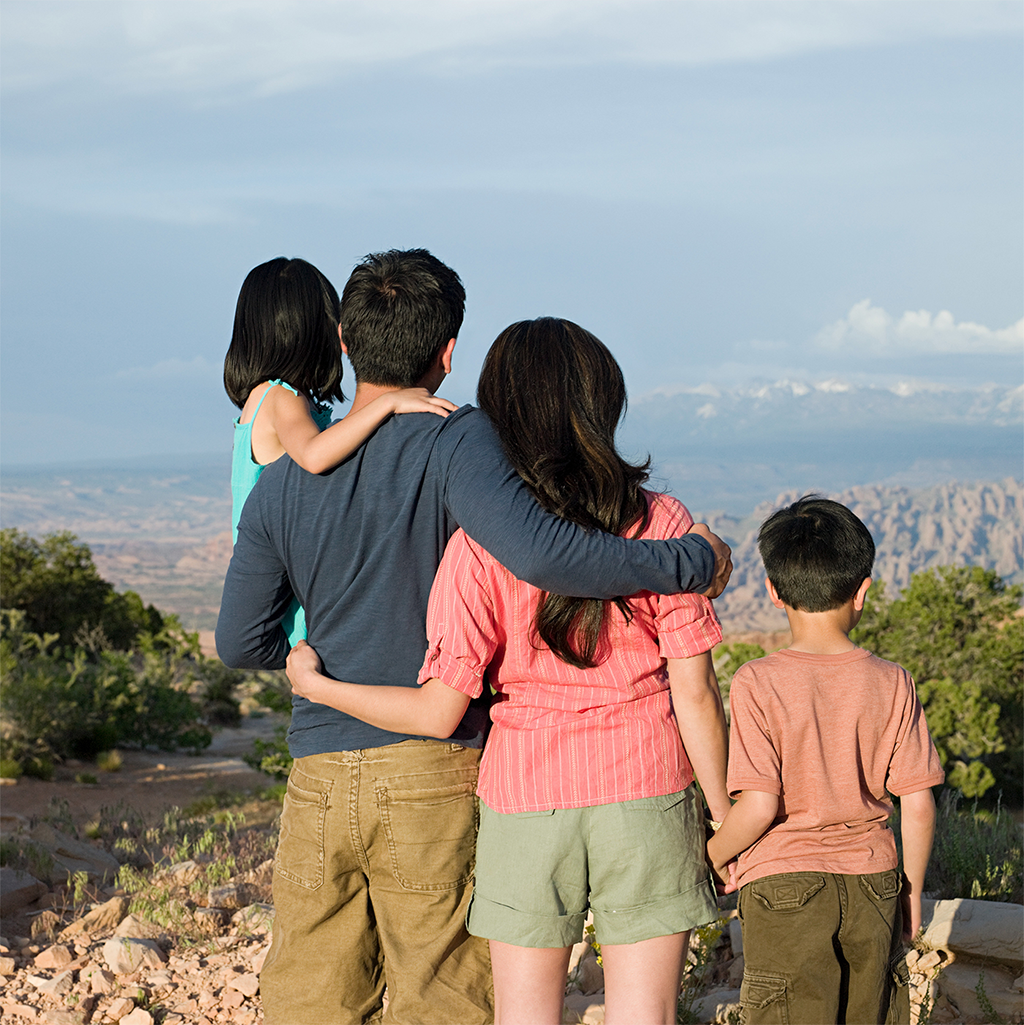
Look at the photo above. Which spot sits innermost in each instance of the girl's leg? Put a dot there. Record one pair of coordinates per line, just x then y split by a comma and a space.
529, 984
641, 980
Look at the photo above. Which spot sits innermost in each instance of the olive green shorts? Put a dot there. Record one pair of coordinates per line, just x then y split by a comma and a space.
638, 865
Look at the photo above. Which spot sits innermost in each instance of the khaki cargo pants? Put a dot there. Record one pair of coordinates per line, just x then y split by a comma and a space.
372, 879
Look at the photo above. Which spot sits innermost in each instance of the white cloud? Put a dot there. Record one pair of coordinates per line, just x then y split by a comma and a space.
221, 47
872, 328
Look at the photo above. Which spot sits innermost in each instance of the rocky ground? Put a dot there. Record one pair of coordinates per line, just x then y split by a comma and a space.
112, 916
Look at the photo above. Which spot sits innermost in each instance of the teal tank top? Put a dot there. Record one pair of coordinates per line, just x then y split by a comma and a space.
245, 471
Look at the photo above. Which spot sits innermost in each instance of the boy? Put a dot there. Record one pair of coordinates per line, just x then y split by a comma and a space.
820, 731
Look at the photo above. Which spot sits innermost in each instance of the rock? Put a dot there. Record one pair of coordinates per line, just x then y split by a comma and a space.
44, 925
226, 896
133, 927
210, 920
137, 1017
7, 965
929, 962
736, 972
57, 956
73, 856
1018, 984
980, 929
590, 976
100, 981
65, 1017
736, 935
247, 984
182, 873
104, 918
120, 1007
126, 954
256, 918
256, 964
586, 1009
959, 982
55, 987
18, 890
717, 1005
232, 998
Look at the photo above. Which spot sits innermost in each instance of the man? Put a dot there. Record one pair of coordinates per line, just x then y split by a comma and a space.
374, 867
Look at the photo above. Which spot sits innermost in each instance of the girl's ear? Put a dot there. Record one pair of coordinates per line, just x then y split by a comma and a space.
344, 349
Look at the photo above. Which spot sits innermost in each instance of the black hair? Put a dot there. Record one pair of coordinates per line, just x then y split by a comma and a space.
556, 395
816, 553
286, 326
398, 310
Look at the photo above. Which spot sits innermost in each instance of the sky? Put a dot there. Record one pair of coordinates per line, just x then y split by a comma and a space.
723, 191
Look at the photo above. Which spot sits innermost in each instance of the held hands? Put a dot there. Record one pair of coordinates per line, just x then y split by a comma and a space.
723, 559
302, 660
419, 400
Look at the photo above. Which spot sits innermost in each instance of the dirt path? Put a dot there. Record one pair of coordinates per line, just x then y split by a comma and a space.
148, 781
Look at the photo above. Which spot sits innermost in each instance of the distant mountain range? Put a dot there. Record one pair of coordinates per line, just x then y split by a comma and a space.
936, 475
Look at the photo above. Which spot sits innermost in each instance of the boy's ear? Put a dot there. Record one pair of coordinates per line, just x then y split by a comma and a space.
344, 348
773, 594
862, 593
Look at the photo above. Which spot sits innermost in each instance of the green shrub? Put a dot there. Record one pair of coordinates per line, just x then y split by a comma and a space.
959, 632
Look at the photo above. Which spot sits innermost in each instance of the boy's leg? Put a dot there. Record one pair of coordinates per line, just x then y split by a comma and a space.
870, 941
791, 972
642, 979
324, 962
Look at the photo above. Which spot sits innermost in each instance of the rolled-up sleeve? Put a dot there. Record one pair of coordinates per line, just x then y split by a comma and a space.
463, 631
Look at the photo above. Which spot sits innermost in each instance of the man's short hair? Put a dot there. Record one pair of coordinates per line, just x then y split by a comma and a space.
398, 310
816, 553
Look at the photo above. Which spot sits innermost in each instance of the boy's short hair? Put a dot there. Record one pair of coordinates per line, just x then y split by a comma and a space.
398, 310
816, 553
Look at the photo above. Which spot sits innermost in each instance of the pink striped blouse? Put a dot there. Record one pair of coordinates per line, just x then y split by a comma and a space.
566, 737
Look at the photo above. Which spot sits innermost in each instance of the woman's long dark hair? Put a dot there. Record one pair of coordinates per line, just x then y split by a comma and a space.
556, 395
286, 326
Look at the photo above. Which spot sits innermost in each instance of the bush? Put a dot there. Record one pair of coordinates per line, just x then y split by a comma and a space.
60, 591
959, 632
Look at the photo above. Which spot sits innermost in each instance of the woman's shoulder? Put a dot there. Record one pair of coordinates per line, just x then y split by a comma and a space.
666, 516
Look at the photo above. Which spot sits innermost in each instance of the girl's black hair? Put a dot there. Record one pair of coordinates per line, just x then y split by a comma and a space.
556, 395
286, 326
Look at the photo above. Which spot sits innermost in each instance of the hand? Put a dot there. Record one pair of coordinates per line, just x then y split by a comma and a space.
302, 660
419, 400
723, 559
724, 877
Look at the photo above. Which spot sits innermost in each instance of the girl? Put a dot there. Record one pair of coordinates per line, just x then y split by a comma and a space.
586, 779
285, 361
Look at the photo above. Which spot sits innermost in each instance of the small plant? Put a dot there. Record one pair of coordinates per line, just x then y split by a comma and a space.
990, 1013
703, 941
10, 768
86, 777
109, 761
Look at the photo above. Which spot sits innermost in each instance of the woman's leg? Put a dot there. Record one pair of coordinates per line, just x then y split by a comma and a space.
529, 984
641, 980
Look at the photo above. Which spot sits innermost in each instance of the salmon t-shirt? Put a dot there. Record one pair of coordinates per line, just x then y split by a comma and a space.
832, 736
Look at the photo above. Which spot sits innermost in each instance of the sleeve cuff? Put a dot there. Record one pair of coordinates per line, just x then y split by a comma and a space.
452, 671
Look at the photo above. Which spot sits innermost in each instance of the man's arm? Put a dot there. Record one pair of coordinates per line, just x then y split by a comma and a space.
256, 596
487, 498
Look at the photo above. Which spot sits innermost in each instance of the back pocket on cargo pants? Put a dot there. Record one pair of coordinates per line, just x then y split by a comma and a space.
300, 851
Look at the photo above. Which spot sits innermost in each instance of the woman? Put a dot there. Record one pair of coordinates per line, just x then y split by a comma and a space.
586, 783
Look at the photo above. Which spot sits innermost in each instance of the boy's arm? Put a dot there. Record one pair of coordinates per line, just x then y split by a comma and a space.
697, 702
917, 829
316, 451
489, 500
750, 816
432, 710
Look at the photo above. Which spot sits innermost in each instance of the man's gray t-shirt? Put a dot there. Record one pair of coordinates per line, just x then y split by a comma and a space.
359, 547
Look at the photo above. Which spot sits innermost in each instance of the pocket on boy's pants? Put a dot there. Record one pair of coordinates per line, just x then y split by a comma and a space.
763, 999
789, 892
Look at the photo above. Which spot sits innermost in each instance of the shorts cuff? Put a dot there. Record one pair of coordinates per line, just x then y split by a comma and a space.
493, 921
678, 913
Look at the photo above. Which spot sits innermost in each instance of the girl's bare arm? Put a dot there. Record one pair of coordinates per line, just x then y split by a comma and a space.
433, 710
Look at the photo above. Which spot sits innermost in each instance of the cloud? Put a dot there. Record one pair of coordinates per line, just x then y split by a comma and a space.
221, 48
872, 328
